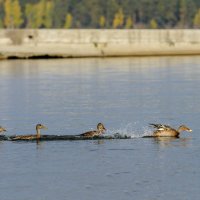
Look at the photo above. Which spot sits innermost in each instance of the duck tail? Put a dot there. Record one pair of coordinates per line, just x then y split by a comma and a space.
154, 125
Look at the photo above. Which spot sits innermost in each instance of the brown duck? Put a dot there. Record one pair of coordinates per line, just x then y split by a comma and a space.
31, 137
167, 131
100, 130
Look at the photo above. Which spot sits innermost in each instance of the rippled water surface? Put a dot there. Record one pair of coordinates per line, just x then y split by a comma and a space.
72, 96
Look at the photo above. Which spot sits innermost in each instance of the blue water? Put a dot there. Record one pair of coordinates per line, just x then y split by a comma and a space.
72, 96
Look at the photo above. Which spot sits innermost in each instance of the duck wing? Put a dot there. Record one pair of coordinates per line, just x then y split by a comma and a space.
161, 127
89, 134
23, 137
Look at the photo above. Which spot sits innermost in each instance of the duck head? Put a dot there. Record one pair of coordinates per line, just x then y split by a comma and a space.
101, 128
2, 129
184, 128
40, 126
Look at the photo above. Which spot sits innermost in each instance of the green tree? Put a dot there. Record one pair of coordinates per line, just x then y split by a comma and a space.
48, 14
30, 15
1, 23
39, 12
68, 21
39, 15
87, 19
1, 13
98, 13
170, 14
60, 10
182, 13
111, 7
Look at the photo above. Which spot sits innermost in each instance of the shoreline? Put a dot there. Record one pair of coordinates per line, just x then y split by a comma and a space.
80, 43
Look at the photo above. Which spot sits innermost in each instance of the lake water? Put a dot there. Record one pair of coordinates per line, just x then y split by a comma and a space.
71, 96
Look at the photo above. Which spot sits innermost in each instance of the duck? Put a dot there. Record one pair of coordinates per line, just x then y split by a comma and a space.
167, 131
2, 129
31, 137
100, 130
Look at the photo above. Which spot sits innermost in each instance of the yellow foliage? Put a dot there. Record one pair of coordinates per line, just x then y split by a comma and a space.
29, 12
153, 24
196, 21
102, 21
48, 14
8, 20
115, 21
68, 21
118, 20
17, 14
13, 14
40, 14
129, 22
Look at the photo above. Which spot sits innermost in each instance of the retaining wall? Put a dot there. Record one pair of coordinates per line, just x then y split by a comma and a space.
25, 43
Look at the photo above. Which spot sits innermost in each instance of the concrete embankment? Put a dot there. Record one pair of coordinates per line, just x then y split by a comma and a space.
26, 43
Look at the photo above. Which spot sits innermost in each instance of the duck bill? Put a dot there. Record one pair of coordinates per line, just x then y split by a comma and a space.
44, 127
190, 130
4, 130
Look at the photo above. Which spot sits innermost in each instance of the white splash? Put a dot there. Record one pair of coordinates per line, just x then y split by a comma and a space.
131, 130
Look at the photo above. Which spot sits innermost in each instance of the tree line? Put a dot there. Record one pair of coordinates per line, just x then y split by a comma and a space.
123, 14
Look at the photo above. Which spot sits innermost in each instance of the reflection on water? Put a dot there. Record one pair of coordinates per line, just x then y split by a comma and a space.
71, 96
170, 141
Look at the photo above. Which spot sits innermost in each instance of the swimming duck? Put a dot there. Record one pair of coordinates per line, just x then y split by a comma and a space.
2, 129
31, 137
100, 130
168, 131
